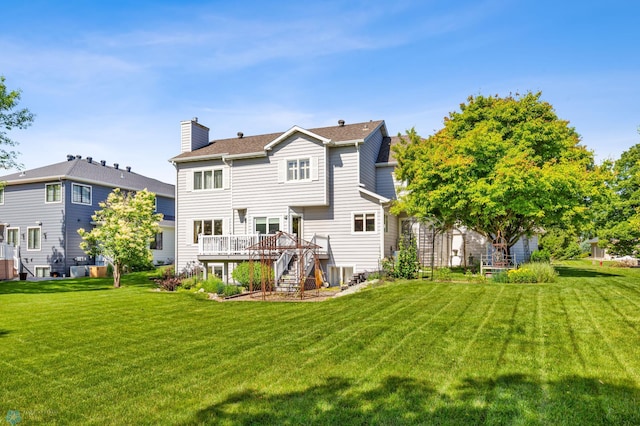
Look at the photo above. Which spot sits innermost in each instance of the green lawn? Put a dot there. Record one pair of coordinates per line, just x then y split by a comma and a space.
80, 352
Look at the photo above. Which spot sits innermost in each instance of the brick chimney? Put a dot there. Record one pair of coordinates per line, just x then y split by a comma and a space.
193, 135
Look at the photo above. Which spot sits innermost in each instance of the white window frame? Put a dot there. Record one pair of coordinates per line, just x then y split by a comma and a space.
212, 182
39, 228
74, 185
16, 243
46, 268
213, 227
46, 193
269, 220
1, 196
295, 167
364, 222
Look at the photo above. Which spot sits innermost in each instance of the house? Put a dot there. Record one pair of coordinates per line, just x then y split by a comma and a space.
329, 186
42, 209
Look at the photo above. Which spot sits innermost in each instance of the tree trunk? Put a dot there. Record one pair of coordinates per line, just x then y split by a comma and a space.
116, 274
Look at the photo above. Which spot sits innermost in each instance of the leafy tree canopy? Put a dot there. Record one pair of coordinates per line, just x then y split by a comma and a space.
500, 165
620, 230
11, 117
125, 226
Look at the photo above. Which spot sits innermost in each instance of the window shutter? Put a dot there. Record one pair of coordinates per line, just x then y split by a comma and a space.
189, 180
226, 175
314, 168
282, 170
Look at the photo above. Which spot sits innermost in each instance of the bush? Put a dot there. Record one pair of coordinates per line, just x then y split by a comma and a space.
522, 275
211, 284
541, 256
476, 278
500, 277
189, 283
544, 272
407, 264
443, 274
241, 274
168, 281
227, 290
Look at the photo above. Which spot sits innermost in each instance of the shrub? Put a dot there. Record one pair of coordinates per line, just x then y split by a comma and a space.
443, 274
210, 285
522, 275
189, 283
501, 277
227, 290
544, 272
407, 264
168, 281
241, 274
388, 268
541, 256
476, 278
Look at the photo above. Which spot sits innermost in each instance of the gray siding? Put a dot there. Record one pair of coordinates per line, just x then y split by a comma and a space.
368, 156
203, 205
385, 182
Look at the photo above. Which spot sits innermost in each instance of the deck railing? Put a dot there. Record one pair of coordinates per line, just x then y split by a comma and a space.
227, 244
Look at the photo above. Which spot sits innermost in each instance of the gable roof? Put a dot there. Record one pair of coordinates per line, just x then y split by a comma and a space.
258, 144
386, 154
91, 172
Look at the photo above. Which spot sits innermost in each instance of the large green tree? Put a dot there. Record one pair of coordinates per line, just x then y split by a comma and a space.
125, 226
500, 165
620, 228
11, 117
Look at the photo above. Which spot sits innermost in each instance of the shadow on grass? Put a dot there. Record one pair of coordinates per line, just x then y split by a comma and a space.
4, 333
508, 399
136, 279
566, 271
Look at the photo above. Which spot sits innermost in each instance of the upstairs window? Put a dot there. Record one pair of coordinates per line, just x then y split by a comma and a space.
207, 179
299, 169
1, 195
53, 192
364, 222
81, 194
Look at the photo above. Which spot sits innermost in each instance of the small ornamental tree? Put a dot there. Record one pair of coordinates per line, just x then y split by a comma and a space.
125, 226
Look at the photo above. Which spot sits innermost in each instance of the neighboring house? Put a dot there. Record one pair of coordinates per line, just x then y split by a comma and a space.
331, 186
42, 209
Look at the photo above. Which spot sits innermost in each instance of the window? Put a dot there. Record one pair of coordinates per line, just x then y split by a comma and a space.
42, 271
207, 179
264, 225
206, 227
53, 192
386, 223
81, 194
13, 235
364, 222
299, 169
33, 242
1, 195
156, 243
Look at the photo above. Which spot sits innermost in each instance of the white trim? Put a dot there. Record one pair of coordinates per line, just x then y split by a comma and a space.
297, 169
291, 131
46, 193
90, 194
81, 180
2, 196
16, 243
364, 222
36, 267
379, 197
213, 170
39, 228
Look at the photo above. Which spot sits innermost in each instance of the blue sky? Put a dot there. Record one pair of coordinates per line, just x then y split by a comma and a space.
112, 80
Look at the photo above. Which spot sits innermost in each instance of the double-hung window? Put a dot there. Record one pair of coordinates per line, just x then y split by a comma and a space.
156, 243
33, 242
364, 222
13, 235
53, 192
299, 169
81, 194
207, 179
